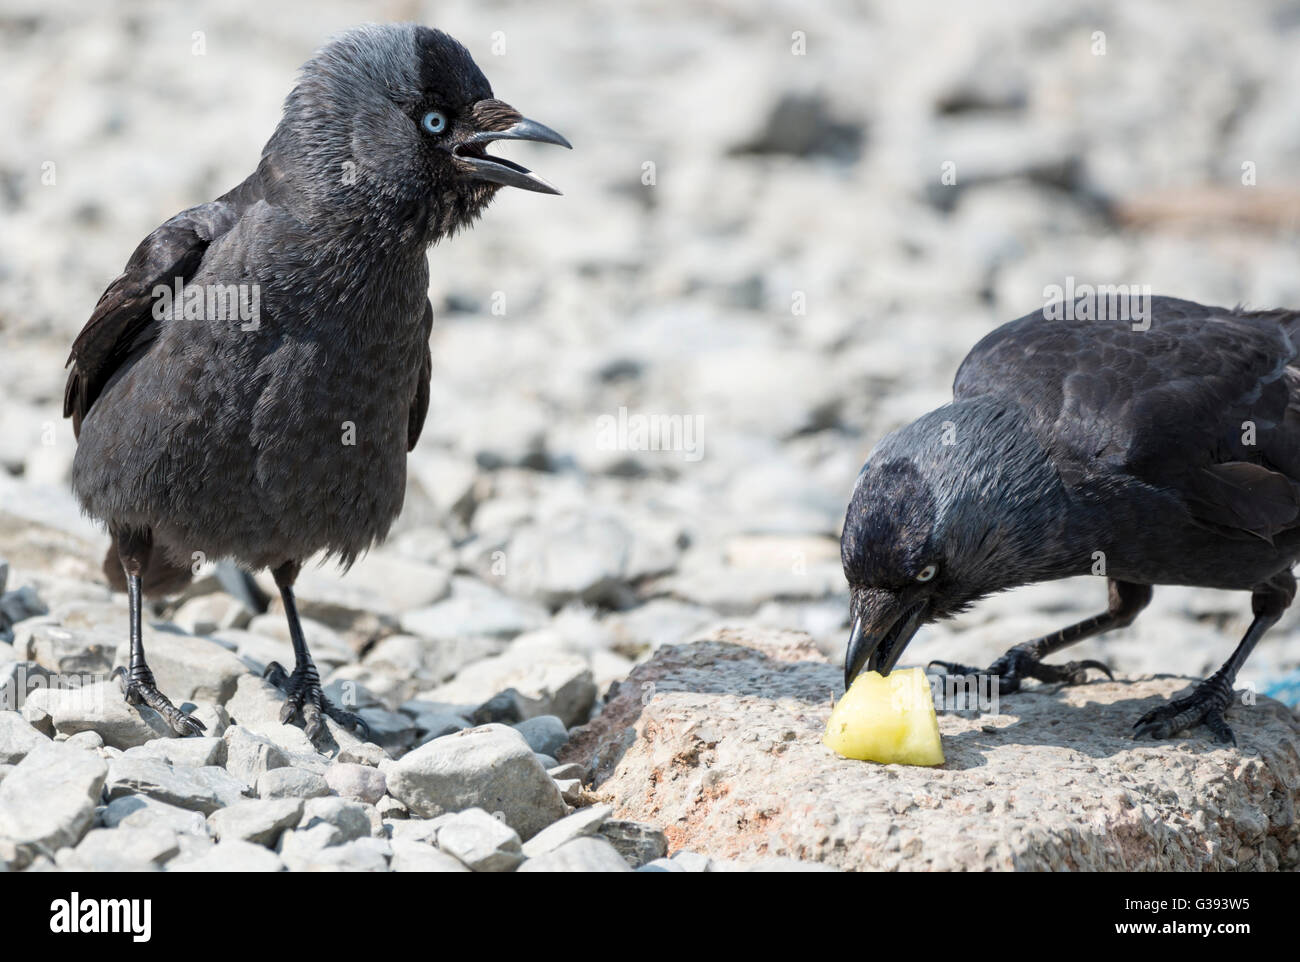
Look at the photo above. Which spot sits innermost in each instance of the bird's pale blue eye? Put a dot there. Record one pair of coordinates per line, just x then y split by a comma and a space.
435, 122
927, 573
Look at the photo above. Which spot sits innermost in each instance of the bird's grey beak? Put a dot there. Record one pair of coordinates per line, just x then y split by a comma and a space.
882, 627
498, 170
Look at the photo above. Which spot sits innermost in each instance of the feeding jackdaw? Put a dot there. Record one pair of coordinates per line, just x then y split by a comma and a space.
272, 438
1167, 455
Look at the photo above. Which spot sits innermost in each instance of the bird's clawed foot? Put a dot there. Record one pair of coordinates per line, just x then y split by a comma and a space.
1020, 663
138, 686
307, 699
1206, 703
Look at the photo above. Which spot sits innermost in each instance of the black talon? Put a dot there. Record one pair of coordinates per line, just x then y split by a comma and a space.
305, 698
1022, 662
1205, 705
139, 688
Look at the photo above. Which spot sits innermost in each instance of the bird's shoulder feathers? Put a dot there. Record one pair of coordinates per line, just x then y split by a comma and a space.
1204, 402
123, 319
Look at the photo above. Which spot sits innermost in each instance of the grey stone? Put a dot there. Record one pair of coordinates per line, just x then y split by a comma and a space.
546, 683
232, 855
481, 842
691, 861
210, 613
637, 842
360, 782
573, 556
124, 849
48, 800
569, 770
390, 730
412, 856
433, 725
17, 738
473, 610
140, 811
490, 767
17, 678
586, 854
291, 783
68, 651
583, 822
249, 755
662, 865
358, 855
257, 820
351, 819
199, 789
215, 718
387, 807
298, 846
100, 708
545, 734
192, 751
570, 790
87, 740
419, 829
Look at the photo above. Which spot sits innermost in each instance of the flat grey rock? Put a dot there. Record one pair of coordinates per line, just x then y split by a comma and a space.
637, 842
360, 782
256, 820
412, 856
249, 755
232, 855
545, 734
141, 811
48, 801
124, 849
481, 842
586, 854
582, 823
17, 738
490, 767
191, 751
100, 708
291, 783
199, 789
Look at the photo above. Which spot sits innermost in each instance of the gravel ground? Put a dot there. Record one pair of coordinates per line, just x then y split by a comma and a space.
760, 240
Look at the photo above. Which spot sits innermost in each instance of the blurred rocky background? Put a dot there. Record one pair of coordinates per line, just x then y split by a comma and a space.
783, 225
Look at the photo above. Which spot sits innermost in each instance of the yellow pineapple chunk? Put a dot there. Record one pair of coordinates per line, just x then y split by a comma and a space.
887, 719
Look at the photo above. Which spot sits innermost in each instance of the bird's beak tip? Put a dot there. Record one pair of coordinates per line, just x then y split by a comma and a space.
498, 170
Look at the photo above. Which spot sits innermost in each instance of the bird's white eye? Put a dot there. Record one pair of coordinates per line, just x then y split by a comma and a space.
928, 572
435, 122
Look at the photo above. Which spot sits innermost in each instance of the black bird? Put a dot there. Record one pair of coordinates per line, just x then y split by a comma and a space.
1166, 455
280, 432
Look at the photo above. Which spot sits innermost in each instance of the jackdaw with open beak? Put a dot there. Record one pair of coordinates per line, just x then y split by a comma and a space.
1159, 452
277, 430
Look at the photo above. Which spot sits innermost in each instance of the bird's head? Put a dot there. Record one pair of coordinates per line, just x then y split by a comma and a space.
945, 511
391, 123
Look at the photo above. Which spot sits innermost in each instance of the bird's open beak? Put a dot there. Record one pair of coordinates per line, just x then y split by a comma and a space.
498, 170
882, 627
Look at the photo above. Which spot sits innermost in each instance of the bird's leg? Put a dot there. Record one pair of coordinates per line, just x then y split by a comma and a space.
303, 686
1210, 698
1023, 661
133, 549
